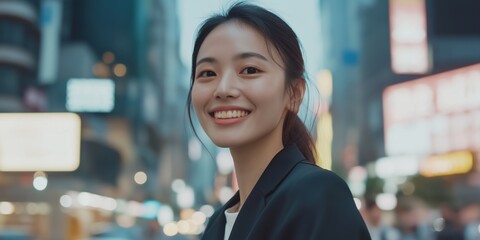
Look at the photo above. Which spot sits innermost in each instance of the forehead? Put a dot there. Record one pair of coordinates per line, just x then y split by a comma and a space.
234, 37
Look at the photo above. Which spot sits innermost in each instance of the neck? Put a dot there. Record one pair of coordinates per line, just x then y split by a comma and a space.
250, 162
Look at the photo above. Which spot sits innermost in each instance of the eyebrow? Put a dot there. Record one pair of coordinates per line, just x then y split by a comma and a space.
250, 55
237, 57
206, 60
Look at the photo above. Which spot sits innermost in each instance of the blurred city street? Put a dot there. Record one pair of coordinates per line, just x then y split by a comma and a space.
96, 143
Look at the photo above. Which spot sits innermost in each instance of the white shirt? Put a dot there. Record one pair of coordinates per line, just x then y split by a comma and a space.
230, 216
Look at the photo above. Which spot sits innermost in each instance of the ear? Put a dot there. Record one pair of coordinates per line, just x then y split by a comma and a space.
297, 92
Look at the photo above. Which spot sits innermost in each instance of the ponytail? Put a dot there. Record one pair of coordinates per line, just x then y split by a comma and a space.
295, 132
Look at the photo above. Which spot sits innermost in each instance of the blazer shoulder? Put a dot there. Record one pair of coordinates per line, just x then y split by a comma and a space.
321, 200
307, 175
311, 185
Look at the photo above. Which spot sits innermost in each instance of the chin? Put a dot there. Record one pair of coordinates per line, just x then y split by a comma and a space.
226, 143
223, 144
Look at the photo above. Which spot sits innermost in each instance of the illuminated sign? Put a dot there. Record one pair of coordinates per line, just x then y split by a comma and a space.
447, 164
90, 95
433, 115
403, 166
408, 37
39, 142
324, 125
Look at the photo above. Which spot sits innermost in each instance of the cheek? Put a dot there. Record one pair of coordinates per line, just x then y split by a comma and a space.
269, 94
199, 96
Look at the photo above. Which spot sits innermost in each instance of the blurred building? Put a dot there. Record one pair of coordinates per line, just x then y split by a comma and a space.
365, 44
115, 64
19, 51
341, 43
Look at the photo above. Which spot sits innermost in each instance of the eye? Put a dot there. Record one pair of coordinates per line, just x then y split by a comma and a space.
250, 70
206, 74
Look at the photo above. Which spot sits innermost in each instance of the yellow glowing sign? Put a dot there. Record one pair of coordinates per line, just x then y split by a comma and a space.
324, 124
39, 142
447, 164
324, 141
325, 83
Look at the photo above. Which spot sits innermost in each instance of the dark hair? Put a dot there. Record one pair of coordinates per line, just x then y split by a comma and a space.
283, 38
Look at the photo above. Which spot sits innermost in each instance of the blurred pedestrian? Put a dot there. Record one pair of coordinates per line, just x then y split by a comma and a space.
410, 222
373, 218
469, 216
248, 81
452, 228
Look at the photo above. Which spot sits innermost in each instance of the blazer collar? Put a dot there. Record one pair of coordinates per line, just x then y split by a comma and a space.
276, 171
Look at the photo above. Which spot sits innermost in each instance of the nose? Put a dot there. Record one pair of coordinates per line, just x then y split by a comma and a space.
227, 86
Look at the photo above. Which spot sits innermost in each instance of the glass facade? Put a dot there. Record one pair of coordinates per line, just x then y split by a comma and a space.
19, 45
17, 33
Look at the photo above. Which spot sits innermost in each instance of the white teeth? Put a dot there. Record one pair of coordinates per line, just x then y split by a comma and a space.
230, 114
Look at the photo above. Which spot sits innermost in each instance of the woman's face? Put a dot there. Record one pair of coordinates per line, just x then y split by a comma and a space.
239, 91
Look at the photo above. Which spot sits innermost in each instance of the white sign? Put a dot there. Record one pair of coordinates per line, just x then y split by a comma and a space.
90, 95
403, 166
39, 142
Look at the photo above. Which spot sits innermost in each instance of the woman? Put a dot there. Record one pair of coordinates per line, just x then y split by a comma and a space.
247, 86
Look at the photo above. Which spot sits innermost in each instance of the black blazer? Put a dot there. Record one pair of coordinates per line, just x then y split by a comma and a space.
293, 200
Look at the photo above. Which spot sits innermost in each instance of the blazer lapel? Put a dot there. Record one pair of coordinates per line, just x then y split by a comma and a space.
216, 229
273, 175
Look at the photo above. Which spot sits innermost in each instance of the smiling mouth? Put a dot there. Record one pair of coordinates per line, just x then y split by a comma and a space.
229, 114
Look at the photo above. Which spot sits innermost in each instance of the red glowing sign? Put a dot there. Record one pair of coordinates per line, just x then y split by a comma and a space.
408, 37
435, 114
